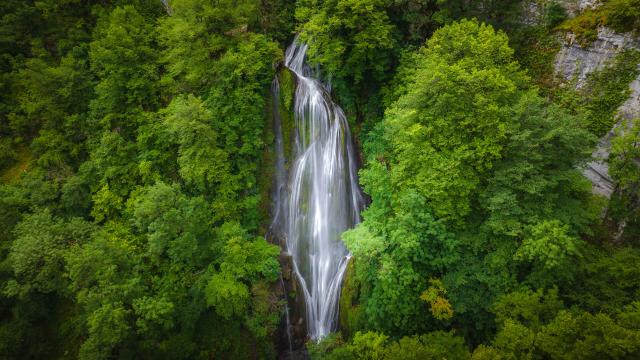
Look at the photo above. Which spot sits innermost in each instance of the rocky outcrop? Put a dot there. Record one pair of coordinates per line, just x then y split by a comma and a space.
532, 11
597, 170
631, 108
574, 63
574, 7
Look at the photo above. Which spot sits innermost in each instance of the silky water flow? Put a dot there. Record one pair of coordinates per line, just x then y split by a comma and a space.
318, 197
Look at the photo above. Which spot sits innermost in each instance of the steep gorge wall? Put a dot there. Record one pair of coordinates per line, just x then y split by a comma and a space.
574, 63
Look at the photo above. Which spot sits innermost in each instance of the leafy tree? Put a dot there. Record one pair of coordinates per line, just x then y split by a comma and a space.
375, 346
175, 226
352, 40
548, 248
625, 204
536, 325
396, 262
37, 254
435, 296
202, 163
195, 35
467, 137
123, 58
453, 166
606, 280
502, 14
242, 263
105, 281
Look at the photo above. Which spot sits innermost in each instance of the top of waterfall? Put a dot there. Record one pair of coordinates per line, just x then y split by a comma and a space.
295, 56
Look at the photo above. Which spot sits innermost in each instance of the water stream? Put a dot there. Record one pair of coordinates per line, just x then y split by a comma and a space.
321, 199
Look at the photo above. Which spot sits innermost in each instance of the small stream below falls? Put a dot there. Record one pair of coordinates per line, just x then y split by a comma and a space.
317, 197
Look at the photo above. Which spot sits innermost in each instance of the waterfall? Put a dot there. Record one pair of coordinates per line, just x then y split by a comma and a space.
323, 199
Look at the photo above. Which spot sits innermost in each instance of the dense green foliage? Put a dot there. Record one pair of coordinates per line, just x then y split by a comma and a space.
134, 158
486, 213
624, 169
134, 228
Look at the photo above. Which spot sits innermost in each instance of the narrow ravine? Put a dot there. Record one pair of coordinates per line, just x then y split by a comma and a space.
321, 198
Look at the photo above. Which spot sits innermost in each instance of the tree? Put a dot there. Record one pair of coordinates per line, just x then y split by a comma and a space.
623, 166
352, 40
123, 58
376, 346
535, 324
37, 254
468, 170
196, 34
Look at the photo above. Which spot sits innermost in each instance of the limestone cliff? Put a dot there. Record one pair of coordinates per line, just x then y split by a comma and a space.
575, 62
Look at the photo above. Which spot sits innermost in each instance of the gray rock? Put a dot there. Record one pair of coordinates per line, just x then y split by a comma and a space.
631, 108
597, 170
532, 12
575, 61
588, 4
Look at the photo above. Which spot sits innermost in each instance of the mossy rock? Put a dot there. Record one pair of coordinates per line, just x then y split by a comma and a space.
267, 165
351, 312
287, 95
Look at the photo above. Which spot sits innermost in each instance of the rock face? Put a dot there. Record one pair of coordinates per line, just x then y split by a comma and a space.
532, 12
533, 9
574, 7
631, 108
575, 62
597, 170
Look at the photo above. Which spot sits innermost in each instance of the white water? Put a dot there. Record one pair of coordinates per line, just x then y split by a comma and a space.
323, 199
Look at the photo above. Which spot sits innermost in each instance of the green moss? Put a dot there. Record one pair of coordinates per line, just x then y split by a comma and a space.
351, 312
621, 15
287, 89
608, 88
585, 26
287, 94
267, 165
536, 50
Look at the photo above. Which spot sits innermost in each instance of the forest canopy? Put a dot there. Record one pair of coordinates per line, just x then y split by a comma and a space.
137, 158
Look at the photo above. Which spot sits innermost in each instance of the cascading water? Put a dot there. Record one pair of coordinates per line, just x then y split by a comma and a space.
323, 199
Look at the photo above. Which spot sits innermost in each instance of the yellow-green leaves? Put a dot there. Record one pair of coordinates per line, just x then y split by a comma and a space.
435, 296
548, 245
